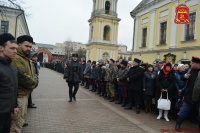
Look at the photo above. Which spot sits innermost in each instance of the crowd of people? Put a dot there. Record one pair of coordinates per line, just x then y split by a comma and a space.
140, 85
131, 84
56, 66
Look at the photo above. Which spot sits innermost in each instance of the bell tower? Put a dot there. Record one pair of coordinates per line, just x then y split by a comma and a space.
103, 31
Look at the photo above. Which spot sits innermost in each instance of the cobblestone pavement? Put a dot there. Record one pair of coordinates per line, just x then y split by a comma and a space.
89, 114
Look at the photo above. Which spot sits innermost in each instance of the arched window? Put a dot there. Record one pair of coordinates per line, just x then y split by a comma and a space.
107, 7
106, 33
91, 36
105, 56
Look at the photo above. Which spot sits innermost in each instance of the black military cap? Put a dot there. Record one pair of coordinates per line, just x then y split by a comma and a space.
196, 59
6, 37
124, 62
24, 38
75, 55
112, 60
137, 60
94, 62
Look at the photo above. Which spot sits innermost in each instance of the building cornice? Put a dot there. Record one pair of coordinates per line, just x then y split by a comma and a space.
104, 16
169, 50
105, 44
141, 6
125, 53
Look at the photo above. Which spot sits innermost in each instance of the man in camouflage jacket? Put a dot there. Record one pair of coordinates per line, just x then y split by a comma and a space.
27, 80
111, 77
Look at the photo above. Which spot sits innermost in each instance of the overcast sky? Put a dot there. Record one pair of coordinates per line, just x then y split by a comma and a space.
55, 21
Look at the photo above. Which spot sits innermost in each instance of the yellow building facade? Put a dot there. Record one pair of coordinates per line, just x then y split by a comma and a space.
12, 20
156, 36
103, 33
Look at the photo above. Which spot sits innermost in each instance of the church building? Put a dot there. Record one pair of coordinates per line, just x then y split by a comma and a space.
103, 32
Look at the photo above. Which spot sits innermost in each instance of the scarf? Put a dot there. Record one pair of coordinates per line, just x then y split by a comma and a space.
164, 69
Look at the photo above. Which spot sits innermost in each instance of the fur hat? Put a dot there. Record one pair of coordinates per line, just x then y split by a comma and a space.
24, 38
112, 60
75, 55
103, 67
137, 60
124, 62
94, 62
196, 59
101, 61
179, 66
130, 62
6, 37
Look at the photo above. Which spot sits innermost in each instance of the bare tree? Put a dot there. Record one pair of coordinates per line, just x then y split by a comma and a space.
16, 4
120, 57
130, 58
68, 49
81, 53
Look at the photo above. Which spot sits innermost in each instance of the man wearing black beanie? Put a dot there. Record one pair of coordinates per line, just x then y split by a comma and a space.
8, 81
27, 78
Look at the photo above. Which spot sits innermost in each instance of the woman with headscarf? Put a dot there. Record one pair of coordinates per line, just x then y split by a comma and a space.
165, 83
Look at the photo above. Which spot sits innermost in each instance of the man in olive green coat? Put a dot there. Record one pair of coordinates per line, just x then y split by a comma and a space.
27, 80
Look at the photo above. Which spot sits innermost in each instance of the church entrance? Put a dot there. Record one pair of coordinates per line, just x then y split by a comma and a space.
105, 56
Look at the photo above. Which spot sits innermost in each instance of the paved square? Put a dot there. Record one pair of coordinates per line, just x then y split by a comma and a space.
89, 114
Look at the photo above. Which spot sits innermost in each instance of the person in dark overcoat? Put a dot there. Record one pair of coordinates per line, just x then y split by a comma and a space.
188, 103
121, 82
149, 85
165, 84
73, 75
134, 90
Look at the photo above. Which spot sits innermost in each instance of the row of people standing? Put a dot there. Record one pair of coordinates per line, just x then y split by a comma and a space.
17, 81
137, 85
56, 66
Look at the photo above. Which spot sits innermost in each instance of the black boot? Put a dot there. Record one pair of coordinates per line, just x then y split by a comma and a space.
70, 99
124, 102
119, 101
145, 107
199, 126
178, 124
128, 107
74, 98
137, 110
112, 99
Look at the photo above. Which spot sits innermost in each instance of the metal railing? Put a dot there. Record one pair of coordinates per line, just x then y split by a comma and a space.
103, 11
